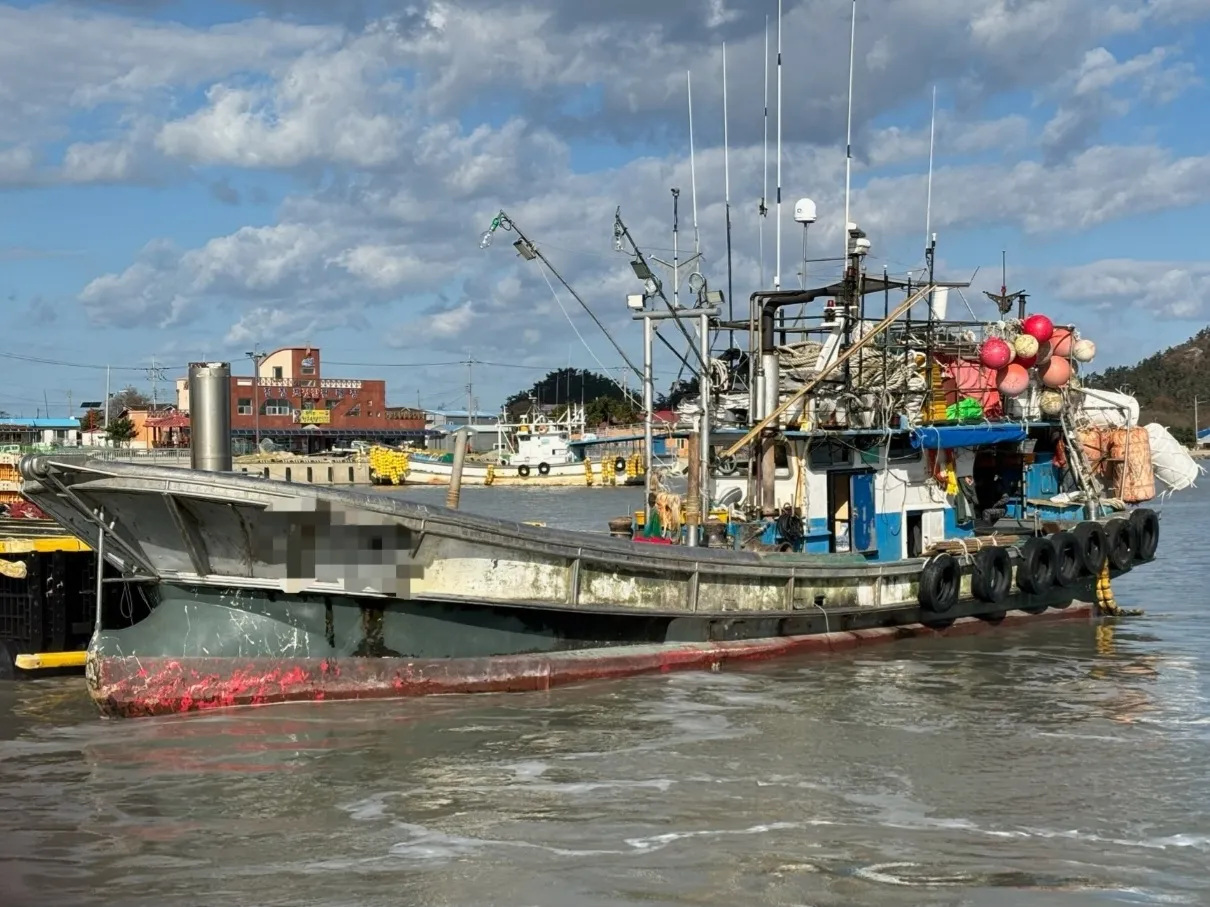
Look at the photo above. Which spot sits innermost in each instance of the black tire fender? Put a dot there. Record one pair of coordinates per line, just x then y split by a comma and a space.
1121, 544
523, 470
1068, 560
940, 583
619, 465
992, 577
1147, 534
1036, 569
1094, 546
543, 469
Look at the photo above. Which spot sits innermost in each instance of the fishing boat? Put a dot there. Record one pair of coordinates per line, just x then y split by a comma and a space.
536, 451
896, 476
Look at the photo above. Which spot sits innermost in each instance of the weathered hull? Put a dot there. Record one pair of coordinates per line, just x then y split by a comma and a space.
136, 686
250, 591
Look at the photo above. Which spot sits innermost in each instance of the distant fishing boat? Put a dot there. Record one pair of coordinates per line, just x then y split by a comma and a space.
535, 451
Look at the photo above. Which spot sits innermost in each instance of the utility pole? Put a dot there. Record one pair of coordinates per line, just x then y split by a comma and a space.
1195, 424
155, 374
256, 356
105, 414
470, 390
69, 409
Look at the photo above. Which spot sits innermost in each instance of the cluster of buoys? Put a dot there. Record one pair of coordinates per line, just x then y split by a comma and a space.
388, 466
1041, 346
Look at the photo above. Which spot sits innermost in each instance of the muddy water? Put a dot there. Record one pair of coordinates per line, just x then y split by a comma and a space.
1061, 765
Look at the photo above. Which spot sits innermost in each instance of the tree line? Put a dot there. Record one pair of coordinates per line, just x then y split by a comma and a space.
604, 401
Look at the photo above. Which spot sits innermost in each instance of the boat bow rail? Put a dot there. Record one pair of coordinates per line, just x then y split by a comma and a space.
235, 531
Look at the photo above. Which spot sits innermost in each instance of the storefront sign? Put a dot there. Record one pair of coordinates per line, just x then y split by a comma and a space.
315, 417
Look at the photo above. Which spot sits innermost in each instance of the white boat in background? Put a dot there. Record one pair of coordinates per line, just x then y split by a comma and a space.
537, 450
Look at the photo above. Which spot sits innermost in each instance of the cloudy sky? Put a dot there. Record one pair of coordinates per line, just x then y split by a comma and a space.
181, 180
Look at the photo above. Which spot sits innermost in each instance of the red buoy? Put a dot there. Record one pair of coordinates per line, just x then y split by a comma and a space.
995, 353
1039, 327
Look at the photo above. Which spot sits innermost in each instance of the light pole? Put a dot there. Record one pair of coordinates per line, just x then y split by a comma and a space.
256, 356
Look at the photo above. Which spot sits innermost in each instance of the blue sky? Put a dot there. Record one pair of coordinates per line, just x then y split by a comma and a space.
185, 180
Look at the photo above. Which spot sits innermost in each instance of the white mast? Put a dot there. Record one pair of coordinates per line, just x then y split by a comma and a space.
697, 246
727, 199
848, 147
777, 269
928, 205
764, 193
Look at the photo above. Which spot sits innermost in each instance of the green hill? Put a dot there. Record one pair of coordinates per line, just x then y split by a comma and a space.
1166, 384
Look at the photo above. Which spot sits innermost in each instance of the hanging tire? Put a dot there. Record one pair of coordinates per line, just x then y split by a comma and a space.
1094, 546
1036, 571
939, 584
992, 576
619, 465
1068, 561
1120, 545
543, 469
1147, 534
523, 471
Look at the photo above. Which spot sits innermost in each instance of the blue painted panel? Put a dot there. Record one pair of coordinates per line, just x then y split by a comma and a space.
952, 529
659, 447
861, 506
819, 539
951, 436
889, 529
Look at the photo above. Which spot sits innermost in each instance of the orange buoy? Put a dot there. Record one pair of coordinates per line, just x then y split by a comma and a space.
1061, 342
1012, 380
1055, 372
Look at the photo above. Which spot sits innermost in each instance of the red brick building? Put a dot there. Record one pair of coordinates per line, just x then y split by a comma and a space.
294, 405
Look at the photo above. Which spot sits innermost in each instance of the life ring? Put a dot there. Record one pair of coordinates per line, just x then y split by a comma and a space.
541, 429
523, 470
1094, 546
1121, 545
1147, 532
992, 576
939, 582
544, 469
1068, 561
619, 465
1036, 571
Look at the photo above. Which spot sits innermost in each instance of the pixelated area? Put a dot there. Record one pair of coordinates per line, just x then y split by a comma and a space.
319, 540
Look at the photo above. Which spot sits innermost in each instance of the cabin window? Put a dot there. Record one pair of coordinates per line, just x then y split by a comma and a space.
828, 454
243, 406
902, 451
277, 372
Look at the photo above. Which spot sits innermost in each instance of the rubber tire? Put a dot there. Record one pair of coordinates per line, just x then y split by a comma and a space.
8, 658
523, 470
1121, 545
1094, 546
543, 469
1035, 610
1036, 570
1068, 561
992, 577
619, 465
940, 584
1147, 533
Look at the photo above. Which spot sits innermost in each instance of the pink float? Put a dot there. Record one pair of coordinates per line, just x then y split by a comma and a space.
995, 353
1055, 372
1012, 380
1039, 327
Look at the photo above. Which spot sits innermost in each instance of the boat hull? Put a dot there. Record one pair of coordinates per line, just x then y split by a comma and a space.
139, 686
198, 648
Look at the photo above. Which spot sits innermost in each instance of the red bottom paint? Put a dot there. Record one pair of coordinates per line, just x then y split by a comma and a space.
139, 686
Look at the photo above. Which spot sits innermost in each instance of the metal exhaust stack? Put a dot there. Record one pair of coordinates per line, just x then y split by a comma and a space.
210, 416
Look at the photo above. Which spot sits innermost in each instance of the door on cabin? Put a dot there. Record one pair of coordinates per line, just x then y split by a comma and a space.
851, 513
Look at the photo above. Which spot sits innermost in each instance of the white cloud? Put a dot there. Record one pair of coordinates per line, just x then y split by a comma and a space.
1160, 289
